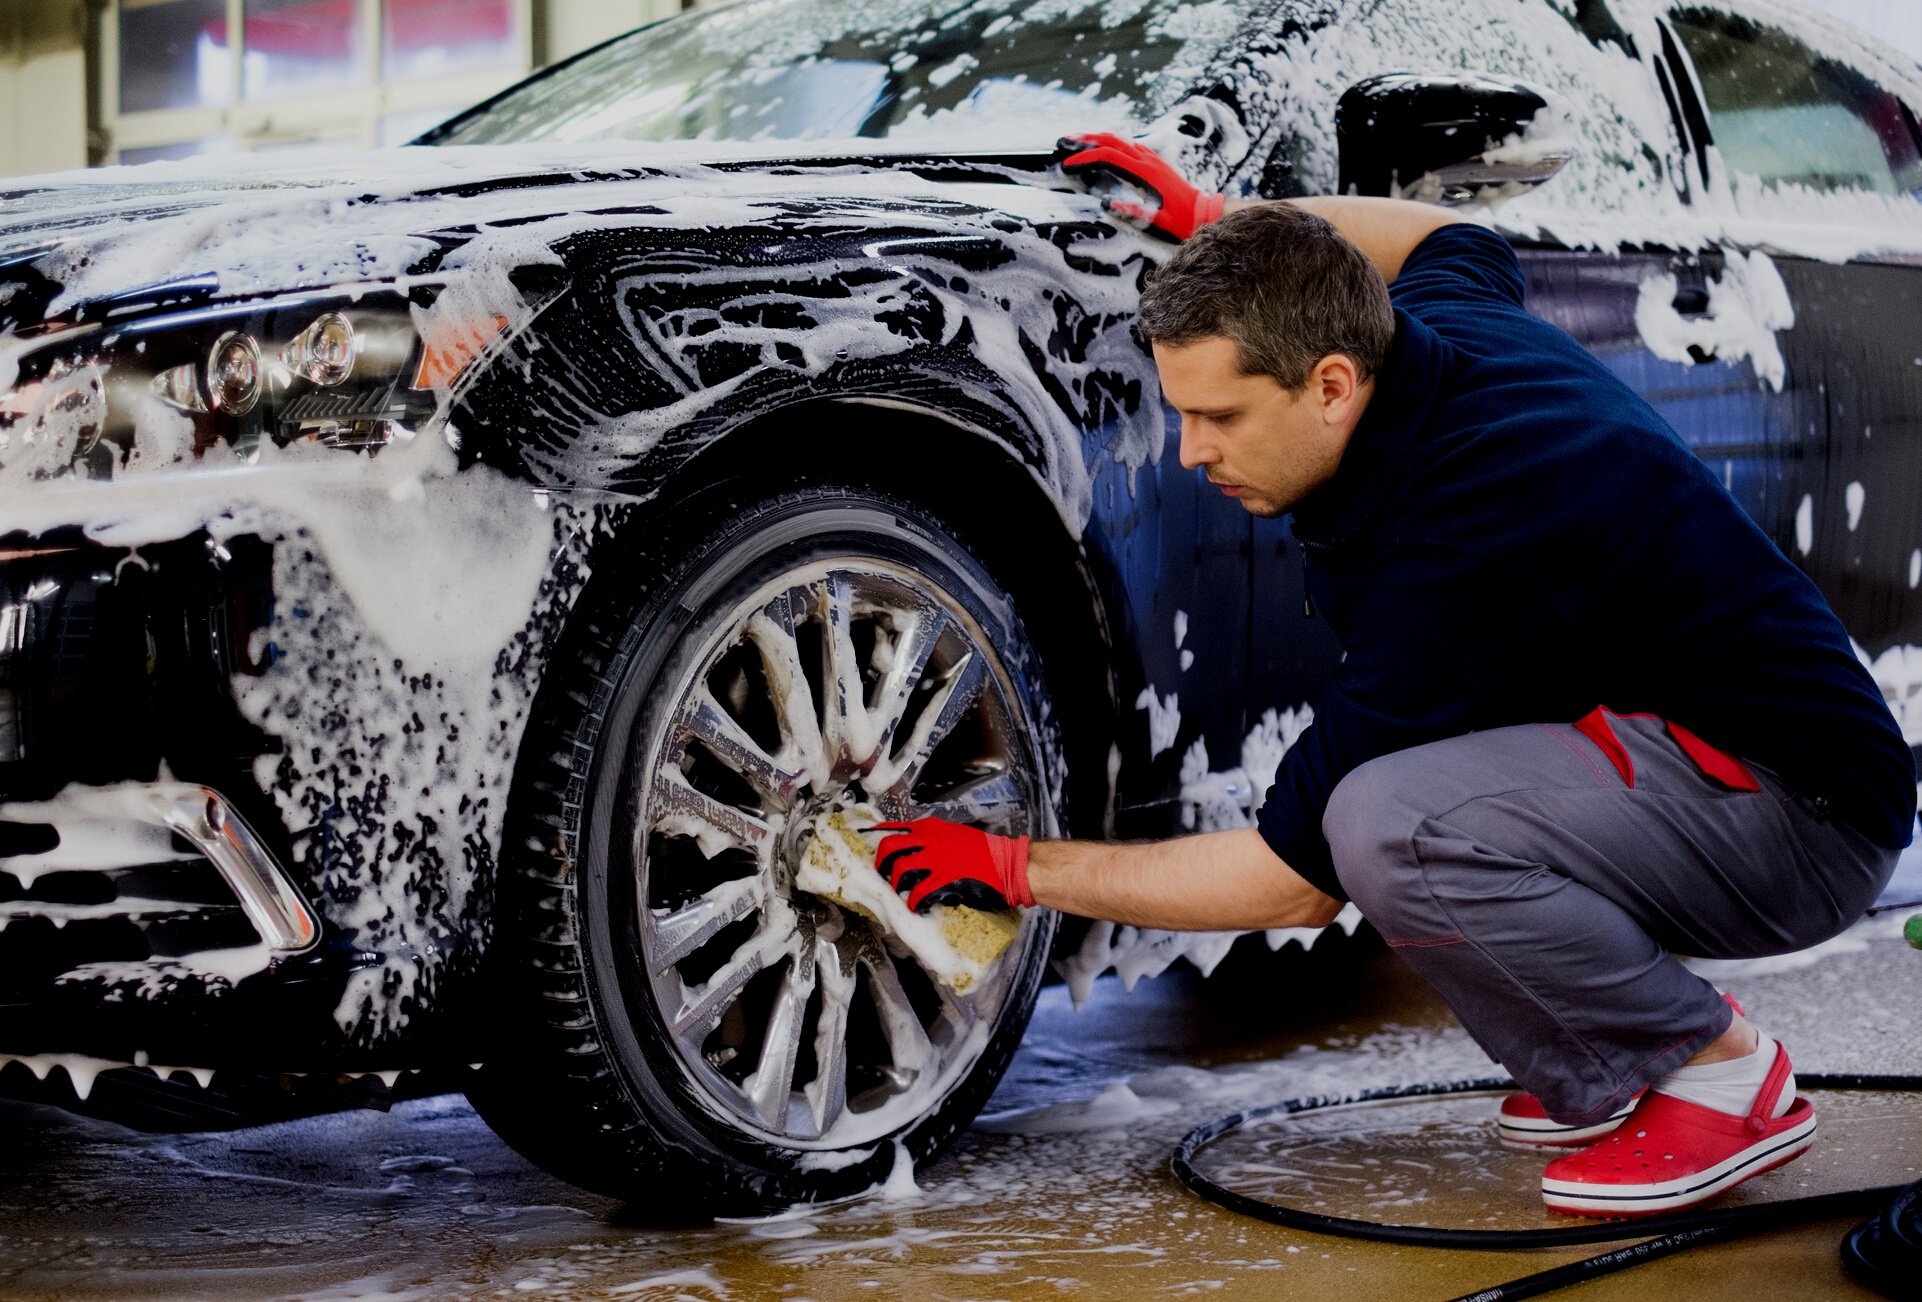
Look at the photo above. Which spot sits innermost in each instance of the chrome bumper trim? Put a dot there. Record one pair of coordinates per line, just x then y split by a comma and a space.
269, 900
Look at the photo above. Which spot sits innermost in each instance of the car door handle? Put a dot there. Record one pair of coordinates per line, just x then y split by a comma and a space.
1691, 299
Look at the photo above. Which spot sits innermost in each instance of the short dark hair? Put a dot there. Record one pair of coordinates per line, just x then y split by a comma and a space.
1279, 282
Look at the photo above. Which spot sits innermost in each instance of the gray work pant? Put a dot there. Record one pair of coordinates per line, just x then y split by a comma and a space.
1545, 898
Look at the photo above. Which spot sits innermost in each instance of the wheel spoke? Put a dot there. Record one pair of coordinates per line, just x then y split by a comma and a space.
956, 697
994, 799
771, 1087
728, 742
677, 808
911, 652
907, 1040
827, 1093
702, 1006
772, 632
961, 1012
679, 933
847, 732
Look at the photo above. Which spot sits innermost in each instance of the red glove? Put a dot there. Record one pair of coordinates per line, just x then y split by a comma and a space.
1180, 209
939, 862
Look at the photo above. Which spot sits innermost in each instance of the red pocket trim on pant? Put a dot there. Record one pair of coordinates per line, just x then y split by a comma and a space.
1714, 763
1594, 726
1718, 764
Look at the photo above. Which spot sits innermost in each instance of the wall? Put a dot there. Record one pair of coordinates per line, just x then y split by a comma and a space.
43, 86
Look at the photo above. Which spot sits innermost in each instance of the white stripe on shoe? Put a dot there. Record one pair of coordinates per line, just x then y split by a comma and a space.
1685, 1191
1533, 1132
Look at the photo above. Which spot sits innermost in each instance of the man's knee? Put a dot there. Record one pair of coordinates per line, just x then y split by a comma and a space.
1370, 825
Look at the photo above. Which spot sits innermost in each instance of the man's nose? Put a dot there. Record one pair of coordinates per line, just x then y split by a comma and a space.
1195, 450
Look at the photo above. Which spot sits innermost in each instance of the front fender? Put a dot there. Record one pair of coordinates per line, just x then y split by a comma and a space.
667, 339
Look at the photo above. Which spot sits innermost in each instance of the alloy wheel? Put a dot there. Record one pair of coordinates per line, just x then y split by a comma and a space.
853, 683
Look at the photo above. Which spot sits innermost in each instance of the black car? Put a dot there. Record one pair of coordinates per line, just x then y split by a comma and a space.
440, 589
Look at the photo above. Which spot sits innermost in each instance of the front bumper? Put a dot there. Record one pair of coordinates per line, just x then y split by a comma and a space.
97, 817
150, 904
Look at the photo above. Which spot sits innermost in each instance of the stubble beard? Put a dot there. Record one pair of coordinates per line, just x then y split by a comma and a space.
1264, 506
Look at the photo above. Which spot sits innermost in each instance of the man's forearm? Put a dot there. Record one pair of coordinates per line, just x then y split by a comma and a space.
1385, 230
1217, 881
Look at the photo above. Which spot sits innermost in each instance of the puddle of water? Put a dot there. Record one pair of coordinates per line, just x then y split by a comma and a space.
1435, 1162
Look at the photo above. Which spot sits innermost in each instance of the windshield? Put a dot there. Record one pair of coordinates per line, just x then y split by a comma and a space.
814, 69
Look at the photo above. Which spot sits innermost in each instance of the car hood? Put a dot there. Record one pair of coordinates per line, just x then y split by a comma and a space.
260, 222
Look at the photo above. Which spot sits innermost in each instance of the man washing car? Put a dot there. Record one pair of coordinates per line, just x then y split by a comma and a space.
1587, 714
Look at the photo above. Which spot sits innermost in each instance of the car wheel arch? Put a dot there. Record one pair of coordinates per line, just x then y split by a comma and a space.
974, 480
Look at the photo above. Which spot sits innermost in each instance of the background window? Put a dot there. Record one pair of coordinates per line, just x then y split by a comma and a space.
434, 38
177, 55
300, 47
399, 128
195, 76
1781, 112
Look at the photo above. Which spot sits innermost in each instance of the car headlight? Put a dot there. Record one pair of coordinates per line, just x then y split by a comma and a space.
234, 375
347, 373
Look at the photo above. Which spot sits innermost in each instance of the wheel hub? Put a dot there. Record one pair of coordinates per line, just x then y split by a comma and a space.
799, 829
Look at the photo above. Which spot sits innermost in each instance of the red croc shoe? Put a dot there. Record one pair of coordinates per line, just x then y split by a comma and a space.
1521, 1123
1672, 1154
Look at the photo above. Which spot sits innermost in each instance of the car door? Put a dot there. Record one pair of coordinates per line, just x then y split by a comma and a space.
1177, 555
1812, 156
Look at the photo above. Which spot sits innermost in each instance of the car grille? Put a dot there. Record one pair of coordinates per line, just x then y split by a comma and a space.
114, 669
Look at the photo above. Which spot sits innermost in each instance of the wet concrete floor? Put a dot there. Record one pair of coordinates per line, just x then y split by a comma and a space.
1063, 1190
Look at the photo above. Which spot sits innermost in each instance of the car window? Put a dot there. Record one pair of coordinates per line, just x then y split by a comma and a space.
1781, 112
813, 69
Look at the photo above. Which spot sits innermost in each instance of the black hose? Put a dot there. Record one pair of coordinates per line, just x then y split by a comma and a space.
1885, 1252
1887, 1248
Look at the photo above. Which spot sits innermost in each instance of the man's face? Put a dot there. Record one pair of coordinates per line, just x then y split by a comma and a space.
1260, 443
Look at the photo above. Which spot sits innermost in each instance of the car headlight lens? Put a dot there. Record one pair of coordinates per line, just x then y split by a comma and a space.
324, 352
350, 373
233, 373
179, 386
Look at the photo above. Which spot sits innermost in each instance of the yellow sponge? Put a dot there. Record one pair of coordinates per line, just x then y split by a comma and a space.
956, 944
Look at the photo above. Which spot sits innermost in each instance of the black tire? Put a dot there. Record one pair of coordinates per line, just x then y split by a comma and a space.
586, 1075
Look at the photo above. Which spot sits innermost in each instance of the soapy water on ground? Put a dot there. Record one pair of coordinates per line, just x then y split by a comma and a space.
1427, 1161
1062, 1188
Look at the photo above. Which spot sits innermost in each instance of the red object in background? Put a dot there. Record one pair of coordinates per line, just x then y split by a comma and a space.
413, 27
326, 29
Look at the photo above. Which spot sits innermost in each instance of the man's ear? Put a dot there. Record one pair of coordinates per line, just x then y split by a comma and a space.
1334, 384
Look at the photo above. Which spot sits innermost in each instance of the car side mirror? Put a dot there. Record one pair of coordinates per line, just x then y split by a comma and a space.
1449, 139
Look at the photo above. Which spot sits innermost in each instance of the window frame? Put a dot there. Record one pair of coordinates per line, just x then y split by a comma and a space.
349, 117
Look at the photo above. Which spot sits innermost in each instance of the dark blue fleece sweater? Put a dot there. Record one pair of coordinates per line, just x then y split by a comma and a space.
1513, 536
